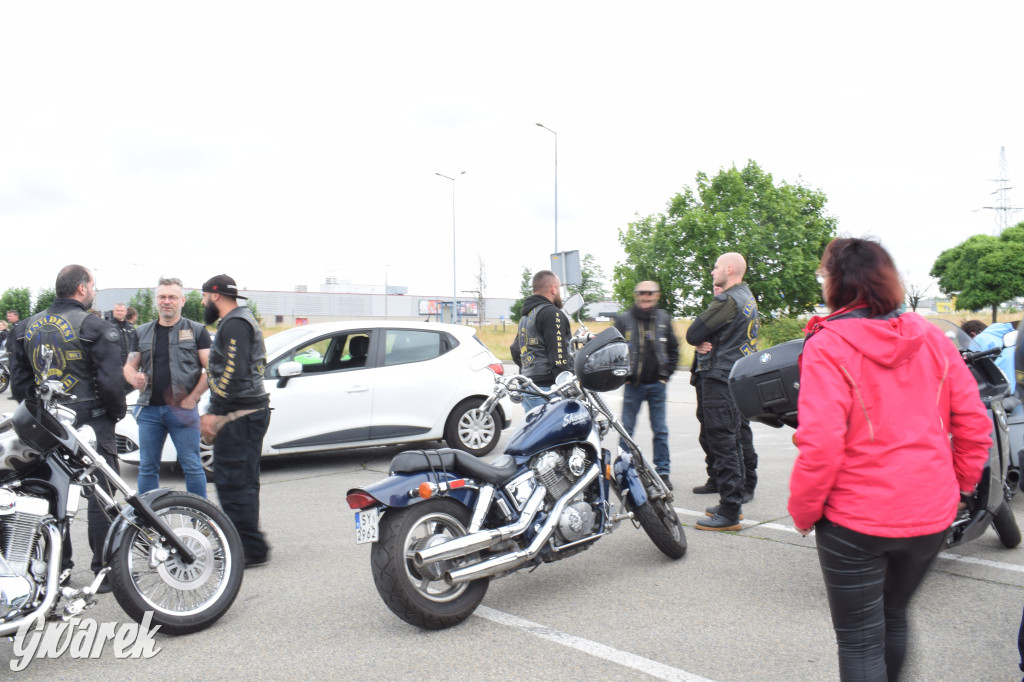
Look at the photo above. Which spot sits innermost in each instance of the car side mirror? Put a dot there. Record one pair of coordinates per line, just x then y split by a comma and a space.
287, 370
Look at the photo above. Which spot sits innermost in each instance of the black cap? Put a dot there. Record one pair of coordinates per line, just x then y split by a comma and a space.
222, 284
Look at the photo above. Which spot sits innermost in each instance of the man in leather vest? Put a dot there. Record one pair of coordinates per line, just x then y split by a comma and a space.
653, 356
730, 326
87, 361
166, 366
239, 411
541, 346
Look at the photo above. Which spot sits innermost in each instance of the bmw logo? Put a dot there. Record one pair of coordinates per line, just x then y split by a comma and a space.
766, 358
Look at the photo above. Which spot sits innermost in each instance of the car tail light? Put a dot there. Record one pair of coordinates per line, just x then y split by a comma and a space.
360, 500
497, 368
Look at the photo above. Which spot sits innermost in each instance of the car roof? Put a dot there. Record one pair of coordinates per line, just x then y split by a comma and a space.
320, 328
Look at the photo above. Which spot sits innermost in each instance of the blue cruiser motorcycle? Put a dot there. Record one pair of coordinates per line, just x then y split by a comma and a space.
443, 523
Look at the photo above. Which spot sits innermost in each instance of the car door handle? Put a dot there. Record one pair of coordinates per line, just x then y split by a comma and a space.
357, 389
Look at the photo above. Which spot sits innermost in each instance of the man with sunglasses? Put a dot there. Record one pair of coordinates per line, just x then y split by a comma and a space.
653, 356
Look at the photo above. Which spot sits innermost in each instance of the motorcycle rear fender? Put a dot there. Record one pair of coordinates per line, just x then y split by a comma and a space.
393, 491
126, 520
625, 473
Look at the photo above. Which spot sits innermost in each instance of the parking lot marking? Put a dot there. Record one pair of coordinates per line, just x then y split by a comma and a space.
623, 658
942, 555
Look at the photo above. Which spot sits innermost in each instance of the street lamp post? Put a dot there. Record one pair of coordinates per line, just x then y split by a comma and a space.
541, 125
455, 299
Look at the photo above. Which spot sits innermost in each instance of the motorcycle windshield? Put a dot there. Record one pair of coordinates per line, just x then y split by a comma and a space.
956, 335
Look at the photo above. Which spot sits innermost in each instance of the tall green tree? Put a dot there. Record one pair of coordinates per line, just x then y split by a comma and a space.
142, 301
44, 299
781, 229
193, 308
515, 311
591, 286
16, 298
983, 271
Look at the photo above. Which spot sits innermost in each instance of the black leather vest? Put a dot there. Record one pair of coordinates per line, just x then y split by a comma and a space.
70, 365
735, 339
247, 377
533, 356
183, 354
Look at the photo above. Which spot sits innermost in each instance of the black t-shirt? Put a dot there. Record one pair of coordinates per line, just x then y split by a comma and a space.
162, 363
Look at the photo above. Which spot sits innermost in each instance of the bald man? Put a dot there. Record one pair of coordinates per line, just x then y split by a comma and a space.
729, 325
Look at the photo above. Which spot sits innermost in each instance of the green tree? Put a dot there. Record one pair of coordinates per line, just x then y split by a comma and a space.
44, 299
515, 311
193, 308
780, 229
591, 287
16, 298
142, 301
983, 271
255, 311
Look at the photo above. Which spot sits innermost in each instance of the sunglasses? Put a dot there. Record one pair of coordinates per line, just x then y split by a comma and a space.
646, 293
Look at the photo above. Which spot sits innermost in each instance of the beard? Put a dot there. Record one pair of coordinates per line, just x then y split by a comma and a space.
558, 301
210, 313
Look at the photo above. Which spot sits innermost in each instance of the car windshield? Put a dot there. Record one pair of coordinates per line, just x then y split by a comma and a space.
284, 339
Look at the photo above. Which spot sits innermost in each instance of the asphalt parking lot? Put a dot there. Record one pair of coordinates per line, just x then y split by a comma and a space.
739, 606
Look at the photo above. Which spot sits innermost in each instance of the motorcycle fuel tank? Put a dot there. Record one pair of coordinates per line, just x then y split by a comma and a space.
551, 425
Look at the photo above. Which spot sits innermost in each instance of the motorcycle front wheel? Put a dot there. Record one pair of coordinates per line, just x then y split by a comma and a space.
183, 597
420, 596
1005, 524
5, 379
658, 518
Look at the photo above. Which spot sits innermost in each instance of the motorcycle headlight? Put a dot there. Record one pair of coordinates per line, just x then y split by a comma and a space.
88, 435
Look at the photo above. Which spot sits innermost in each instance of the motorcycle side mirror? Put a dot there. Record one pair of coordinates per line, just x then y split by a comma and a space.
1010, 339
573, 305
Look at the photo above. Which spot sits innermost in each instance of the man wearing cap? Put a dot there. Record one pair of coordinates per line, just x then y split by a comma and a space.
239, 411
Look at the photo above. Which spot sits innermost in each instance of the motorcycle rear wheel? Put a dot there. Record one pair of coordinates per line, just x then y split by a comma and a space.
183, 597
1005, 525
420, 596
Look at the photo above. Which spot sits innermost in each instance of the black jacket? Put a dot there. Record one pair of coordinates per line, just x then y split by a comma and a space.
662, 337
541, 346
99, 343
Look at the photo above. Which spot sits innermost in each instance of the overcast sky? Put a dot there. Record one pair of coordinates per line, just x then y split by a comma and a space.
283, 143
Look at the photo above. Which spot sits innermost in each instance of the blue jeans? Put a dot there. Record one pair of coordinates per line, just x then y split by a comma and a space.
155, 424
654, 394
532, 401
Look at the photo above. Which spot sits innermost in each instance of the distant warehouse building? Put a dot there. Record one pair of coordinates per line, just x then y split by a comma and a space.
290, 308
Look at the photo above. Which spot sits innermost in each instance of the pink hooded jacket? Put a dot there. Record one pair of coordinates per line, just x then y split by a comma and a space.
891, 428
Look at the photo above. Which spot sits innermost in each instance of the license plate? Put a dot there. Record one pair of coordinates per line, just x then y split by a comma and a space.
367, 525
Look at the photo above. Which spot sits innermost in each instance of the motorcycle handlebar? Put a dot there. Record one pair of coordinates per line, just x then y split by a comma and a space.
972, 355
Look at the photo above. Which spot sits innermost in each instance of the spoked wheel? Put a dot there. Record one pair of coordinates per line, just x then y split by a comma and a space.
1005, 524
184, 598
657, 517
5, 379
420, 595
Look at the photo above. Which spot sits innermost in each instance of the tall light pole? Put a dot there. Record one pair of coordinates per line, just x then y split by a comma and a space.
541, 125
455, 299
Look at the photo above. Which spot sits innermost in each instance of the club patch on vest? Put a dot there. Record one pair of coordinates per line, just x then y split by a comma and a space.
185, 335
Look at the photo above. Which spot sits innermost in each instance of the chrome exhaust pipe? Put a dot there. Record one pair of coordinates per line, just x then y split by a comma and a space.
506, 562
52, 585
474, 542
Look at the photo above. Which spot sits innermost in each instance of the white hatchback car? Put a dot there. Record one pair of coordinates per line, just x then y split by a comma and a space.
338, 385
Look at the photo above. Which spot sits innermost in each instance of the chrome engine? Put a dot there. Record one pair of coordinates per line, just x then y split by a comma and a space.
558, 471
23, 568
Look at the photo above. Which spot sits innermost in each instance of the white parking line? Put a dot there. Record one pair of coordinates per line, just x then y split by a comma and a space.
747, 523
623, 658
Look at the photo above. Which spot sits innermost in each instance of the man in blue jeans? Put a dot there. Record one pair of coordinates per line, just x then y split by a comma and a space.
653, 356
167, 366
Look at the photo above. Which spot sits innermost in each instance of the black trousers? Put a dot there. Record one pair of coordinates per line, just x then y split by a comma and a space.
746, 444
870, 581
236, 471
720, 424
99, 522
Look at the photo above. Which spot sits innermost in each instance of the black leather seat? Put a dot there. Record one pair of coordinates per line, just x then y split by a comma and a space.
455, 461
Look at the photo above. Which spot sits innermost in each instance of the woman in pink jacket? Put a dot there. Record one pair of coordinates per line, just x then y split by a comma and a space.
892, 432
